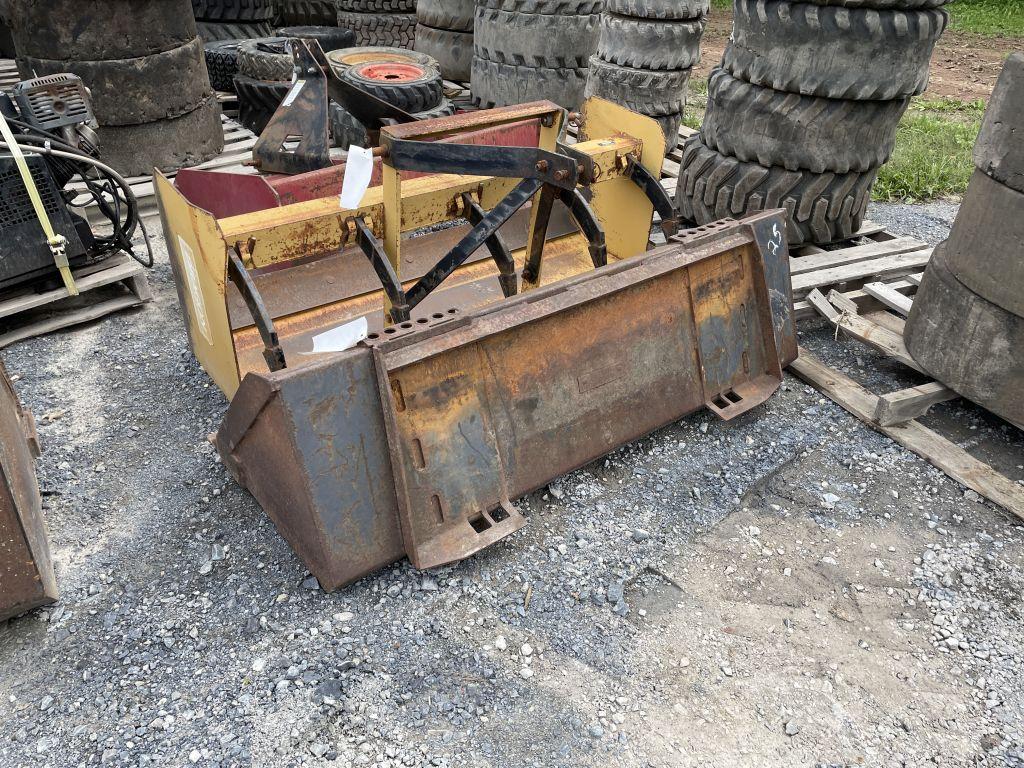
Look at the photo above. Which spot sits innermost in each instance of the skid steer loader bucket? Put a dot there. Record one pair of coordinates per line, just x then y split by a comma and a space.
26, 572
532, 335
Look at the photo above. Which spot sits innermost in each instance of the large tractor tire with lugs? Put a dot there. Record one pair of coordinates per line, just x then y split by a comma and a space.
820, 207
234, 10
838, 53
346, 130
535, 38
309, 12
266, 58
452, 50
389, 29
456, 15
770, 127
409, 87
646, 91
650, 44
496, 85
93, 30
377, 6
884, 5
659, 9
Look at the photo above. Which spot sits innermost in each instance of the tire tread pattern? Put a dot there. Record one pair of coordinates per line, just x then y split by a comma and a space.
834, 52
646, 91
772, 127
497, 85
820, 208
234, 10
525, 39
389, 29
648, 44
454, 15
453, 51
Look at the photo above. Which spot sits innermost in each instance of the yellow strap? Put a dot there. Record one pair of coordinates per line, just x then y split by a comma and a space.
57, 243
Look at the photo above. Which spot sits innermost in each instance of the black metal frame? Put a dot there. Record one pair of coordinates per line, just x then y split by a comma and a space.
656, 193
239, 275
301, 119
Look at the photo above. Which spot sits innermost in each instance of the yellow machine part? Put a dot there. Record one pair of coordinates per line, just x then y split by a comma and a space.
313, 277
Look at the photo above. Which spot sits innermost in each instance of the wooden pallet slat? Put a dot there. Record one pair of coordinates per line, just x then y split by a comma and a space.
890, 297
907, 404
874, 335
120, 268
885, 266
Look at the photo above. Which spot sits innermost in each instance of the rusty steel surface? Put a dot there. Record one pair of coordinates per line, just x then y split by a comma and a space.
26, 572
416, 442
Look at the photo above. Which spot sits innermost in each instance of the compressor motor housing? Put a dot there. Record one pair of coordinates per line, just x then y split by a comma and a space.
54, 106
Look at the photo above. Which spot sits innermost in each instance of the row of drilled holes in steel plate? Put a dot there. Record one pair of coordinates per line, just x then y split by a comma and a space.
404, 329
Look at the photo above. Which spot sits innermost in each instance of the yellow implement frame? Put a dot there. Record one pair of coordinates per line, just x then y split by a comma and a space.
312, 276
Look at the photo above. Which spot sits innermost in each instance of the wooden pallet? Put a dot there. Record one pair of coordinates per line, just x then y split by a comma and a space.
895, 413
8, 73
24, 313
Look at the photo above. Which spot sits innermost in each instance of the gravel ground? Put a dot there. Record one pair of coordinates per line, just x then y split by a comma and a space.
789, 588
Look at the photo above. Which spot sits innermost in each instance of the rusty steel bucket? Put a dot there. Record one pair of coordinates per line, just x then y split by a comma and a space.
416, 441
26, 572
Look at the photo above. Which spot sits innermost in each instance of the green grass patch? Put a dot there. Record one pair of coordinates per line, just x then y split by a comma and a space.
696, 102
988, 17
721, 5
932, 157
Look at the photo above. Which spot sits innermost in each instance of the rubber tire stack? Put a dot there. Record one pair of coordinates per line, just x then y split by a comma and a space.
804, 110
645, 53
143, 64
966, 325
444, 30
526, 50
234, 19
379, 22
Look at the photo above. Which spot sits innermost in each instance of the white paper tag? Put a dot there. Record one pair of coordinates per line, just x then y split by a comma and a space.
340, 338
293, 93
358, 170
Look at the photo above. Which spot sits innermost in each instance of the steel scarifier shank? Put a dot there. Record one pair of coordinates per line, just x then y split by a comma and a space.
533, 336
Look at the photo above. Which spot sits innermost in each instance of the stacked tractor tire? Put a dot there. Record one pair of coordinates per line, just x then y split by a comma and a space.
142, 61
234, 19
444, 30
526, 50
379, 22
966, 325
645, 53
804, 108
